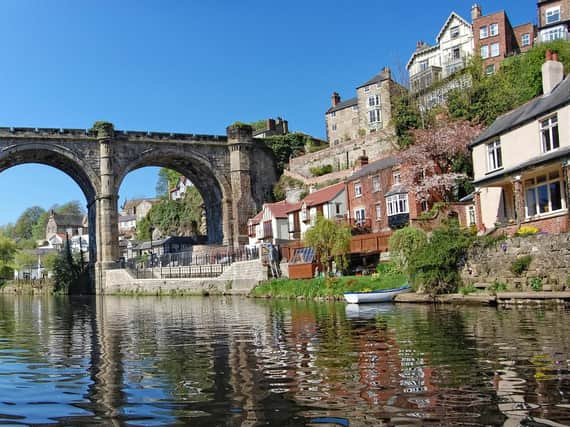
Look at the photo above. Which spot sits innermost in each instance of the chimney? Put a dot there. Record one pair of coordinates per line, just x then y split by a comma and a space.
335, 98
362, 160
552, 72
270, 124
285, 127
475, 12
387, 73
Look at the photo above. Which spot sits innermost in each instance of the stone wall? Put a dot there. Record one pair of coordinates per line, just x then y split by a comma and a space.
550, 262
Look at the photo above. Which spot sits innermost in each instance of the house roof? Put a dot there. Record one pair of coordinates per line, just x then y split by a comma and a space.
257, 218
380, 77
420, 51
125, 218
68, 220
344, 104
135, 202
377, 165
448, 21
396, 189
279, 209
319, 197
533, 109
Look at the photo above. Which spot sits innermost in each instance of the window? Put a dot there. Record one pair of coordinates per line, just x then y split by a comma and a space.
357, 189
553, 34
333, 114
552, 15
424, 65
495, 49
490, 69
375, 183
484, 51
374, 116
336, 141
544, 194
397, 204
483, 32
493, 29
359, 216
396, 176
454, 32
525, 39
494, 156
424, 205
367, 89
373, 100
549, 134
378, 207
333, 126
471, 216
456, 53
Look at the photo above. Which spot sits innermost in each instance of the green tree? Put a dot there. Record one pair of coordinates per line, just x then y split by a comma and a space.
8, 250
286, 146
70, 208
331, 241
23, 229
25, 259
403, 244
167, 179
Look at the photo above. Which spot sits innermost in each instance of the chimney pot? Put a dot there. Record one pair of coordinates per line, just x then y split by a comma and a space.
475, 12
335, 98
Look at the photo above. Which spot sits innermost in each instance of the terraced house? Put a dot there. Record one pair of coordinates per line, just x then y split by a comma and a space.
521, 161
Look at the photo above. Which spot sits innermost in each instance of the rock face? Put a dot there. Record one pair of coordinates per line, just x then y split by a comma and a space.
234, 174
549, 266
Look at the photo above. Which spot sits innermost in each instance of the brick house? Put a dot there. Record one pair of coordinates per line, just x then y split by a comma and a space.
495, 38
520, 162
553, 20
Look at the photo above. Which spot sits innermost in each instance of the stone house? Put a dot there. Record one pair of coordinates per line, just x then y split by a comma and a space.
520, 162
431, 64
138, 207
495, 38
553, 20
273, 127
73, 225
329, 202
270, 225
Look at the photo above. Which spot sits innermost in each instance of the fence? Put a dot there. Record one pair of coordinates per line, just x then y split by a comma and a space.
187, 265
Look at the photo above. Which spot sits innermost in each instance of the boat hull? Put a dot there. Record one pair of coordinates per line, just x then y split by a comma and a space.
375, 296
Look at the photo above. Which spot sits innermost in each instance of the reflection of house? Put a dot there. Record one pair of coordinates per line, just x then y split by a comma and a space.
180, 188
553, 20
270, 225
329, 202
495, 37
74, 225
138, 207
520, 162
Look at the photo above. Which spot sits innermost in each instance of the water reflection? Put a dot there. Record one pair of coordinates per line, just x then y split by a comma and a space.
235, 361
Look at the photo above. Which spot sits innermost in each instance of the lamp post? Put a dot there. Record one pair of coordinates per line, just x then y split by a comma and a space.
151, 230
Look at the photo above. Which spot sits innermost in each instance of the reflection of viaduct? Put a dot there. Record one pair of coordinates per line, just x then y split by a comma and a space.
234, 174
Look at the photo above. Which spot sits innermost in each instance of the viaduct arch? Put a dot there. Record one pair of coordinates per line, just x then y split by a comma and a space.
234, 173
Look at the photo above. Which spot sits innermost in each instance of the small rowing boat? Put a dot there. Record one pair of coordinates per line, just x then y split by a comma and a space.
375, 296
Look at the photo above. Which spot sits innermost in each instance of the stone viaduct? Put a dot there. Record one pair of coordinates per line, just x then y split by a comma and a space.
234, 174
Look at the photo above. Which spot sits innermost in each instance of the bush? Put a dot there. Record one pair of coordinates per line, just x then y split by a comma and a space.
536, 283
468, 289
404, 243
526, 230
497, 287
521, 264
321, 170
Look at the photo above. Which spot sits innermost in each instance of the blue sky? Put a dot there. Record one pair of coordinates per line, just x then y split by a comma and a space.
194, 66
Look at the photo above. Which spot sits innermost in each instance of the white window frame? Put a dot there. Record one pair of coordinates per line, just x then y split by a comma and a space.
485, 51
494, 156
378, 209
396, 176
552, 34
424, 65
549, 13
495, 50
397, 204
333, 114
366, 89
376, 186
483, 32
373, 100
359, 216
333, 127
471, 216
549, 126
525, 39
493, 29
535, 186
357, 189
374, 116
455, 31
490, 69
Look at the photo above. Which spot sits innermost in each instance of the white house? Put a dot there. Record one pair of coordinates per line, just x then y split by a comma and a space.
270, 225
180, 188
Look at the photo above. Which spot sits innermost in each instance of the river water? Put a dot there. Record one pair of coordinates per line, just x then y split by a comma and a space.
242, 362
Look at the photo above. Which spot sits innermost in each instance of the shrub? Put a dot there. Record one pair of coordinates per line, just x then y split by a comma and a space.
404, 243
321, 170
521, 264
467, 289
536, 283
497, 287
526, 230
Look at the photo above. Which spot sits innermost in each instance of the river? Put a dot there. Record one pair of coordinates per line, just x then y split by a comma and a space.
242, 362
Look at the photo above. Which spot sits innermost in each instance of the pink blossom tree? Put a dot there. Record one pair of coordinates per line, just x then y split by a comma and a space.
430, 162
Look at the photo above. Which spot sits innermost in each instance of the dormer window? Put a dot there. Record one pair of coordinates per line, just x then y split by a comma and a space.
454, 32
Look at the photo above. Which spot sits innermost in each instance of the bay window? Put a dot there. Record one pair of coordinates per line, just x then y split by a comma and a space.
397, 204
544, 194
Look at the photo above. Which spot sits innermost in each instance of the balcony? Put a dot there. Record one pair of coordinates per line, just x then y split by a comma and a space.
425, 79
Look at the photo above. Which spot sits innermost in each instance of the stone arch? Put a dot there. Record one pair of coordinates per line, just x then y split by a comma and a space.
212, 185
66, 161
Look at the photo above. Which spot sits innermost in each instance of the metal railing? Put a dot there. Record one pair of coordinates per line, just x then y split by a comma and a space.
188, 265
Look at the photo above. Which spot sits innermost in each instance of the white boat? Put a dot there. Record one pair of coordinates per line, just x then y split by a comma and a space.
375, 296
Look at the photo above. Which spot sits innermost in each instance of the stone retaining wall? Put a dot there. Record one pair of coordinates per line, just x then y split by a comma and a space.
550, 263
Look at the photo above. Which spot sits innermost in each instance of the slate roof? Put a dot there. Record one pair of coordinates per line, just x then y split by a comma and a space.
533, 109
68, 220
319, 197
344, 104
377, 165
380, 77
396, 189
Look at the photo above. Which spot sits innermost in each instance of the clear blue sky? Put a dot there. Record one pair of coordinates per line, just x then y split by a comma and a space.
194, 66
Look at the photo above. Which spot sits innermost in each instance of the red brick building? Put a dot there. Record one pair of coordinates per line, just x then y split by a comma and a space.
495, 38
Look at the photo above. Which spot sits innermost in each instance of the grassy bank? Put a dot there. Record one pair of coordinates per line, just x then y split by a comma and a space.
330, 288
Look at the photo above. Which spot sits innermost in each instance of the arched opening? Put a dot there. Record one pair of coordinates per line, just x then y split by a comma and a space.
45, 206
169, 198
